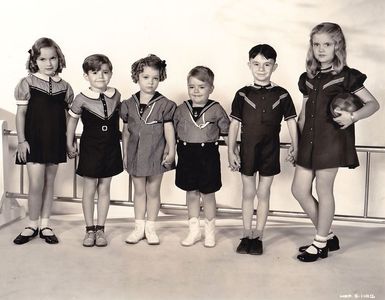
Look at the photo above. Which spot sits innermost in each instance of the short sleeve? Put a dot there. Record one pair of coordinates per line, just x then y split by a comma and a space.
69, 98
76, 107
168, 112
288, 107
302, 84
22, 92
176, 117
223, 121
355, 80
237, 106
124, 111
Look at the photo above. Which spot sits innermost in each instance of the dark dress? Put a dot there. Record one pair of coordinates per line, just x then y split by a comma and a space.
322, 143
100, 153
47, 100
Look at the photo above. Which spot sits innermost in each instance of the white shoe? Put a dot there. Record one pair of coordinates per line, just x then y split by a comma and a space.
149, 232
209, 233
194, 234
137, 234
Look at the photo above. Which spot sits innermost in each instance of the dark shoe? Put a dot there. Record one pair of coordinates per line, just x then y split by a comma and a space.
244, 246
333, 244
50, 239
309, 257
22, 239
256, 247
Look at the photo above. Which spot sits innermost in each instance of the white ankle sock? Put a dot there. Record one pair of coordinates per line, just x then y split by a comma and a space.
31, 223
330, 235
247, 233
44, 222
319, 241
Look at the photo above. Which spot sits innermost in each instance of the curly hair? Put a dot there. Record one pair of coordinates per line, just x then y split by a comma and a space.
336, 34
152, 61
35, 52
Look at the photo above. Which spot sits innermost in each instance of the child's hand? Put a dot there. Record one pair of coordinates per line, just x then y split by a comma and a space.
72, 151
168, 159
234, 161
344, 119
292, 155
22, 150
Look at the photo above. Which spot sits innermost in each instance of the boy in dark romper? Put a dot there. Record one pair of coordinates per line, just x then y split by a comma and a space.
259, 108
199, 122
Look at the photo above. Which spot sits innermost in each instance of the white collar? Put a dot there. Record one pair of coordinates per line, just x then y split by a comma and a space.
44, 77
109, 92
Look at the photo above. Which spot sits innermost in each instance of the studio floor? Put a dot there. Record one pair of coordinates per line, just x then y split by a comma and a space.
68, 270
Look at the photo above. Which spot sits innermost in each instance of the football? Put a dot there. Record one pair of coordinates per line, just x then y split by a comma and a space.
346, 102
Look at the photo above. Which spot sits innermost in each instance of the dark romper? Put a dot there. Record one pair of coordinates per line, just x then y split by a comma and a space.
47, 100
322, 143
260, 110
199, 166
146, 142
99, 154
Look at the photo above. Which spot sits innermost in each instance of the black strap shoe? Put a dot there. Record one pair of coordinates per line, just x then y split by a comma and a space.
333, 244
244, 246
310, 257
256, 247
22, 239
50, 239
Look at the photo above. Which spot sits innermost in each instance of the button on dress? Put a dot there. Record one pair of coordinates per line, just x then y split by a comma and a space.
100, 152
47, 100
323, 144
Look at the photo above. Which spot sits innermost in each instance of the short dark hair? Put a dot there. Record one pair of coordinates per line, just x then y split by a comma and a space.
152, 61
35, 52
202, 73
94, 62
264, 49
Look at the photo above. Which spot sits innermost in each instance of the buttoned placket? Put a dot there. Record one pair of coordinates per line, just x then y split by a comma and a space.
50, 85
313, 108
103, 100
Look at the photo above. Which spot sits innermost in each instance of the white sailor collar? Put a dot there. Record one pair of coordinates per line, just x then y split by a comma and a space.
267, 87
44, 77
109, 92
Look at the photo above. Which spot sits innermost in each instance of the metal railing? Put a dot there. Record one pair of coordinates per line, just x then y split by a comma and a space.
281, 213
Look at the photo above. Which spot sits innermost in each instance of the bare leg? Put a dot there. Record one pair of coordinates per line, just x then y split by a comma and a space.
209, 204
153, 196
263, 195
104, 185
193, 204
49, 180
302, 191
36, 174
324, 186
140, 197
89, 190
248, 194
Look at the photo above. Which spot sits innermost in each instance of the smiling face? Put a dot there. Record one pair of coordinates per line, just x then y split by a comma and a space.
261, 68
100, 79
323, 49
199, 91
47, 61
148, 80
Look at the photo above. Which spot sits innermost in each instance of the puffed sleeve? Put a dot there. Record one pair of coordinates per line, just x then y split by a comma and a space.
69, 98
22, 92
124, 111
288, 107
302, 84
354, 81
237, 105
223, 121
168, 112
176, 117
76, 107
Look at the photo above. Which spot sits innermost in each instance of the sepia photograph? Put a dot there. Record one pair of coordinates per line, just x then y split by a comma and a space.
187, 150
